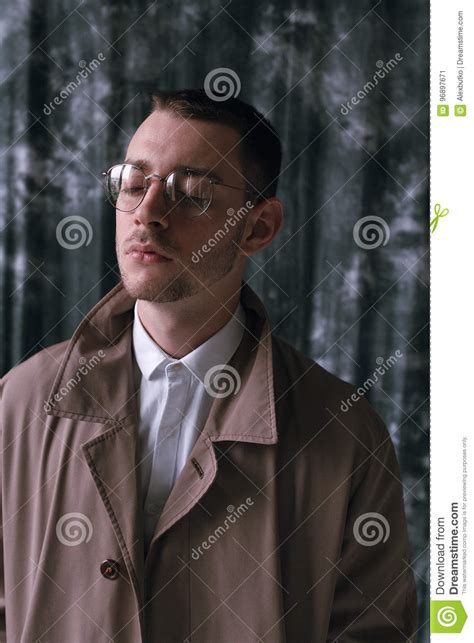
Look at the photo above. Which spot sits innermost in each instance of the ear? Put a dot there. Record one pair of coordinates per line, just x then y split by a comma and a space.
263, 223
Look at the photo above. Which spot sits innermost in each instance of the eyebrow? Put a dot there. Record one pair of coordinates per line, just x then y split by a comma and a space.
144, 165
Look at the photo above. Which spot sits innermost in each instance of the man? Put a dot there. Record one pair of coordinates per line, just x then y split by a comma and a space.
175, 472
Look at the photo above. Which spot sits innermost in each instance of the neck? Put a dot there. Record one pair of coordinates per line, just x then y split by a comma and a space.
181, 326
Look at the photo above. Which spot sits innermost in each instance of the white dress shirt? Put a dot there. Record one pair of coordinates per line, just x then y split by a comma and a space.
174, 406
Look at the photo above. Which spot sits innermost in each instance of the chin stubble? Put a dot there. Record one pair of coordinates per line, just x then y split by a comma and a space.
188, 282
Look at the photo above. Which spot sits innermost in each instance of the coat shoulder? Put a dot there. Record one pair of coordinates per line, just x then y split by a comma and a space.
34, 376
300, 365
325, 397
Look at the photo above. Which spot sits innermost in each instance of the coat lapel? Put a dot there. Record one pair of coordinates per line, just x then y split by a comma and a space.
98, 383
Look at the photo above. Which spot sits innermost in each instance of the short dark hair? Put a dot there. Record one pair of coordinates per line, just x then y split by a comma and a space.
260, 146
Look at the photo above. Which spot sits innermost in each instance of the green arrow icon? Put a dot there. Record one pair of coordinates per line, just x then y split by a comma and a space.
447, 617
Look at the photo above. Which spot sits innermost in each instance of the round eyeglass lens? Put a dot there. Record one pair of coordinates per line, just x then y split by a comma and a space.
125, 185
190, 192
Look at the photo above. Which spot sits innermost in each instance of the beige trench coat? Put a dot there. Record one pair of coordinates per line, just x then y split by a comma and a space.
262, 537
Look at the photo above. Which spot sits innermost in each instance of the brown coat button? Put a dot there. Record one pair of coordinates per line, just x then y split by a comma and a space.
110, 569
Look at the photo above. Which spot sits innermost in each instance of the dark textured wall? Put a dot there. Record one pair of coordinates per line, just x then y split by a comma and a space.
348, 300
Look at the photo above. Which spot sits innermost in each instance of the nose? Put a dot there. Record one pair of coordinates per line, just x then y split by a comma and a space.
153, 209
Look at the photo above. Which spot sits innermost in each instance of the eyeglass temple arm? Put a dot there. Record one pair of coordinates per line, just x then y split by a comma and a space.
234, 187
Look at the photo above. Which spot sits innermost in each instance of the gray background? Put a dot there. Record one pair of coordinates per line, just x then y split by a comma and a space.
297, 62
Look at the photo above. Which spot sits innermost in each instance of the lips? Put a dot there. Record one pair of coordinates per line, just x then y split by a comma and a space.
147, 253
147, 248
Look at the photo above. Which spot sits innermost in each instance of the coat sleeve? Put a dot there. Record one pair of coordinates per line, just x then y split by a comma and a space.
3, 637
375, 595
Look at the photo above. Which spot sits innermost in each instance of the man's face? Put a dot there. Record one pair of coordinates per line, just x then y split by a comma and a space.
165, 141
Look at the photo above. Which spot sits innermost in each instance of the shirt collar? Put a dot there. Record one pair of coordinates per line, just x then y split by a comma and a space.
217, 350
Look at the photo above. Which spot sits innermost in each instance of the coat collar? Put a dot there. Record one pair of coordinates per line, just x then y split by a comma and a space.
98, 380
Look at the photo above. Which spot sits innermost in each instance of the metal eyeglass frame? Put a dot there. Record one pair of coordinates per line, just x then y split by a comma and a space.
163, 180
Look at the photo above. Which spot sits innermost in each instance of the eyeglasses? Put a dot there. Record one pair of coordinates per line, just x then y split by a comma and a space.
186, 189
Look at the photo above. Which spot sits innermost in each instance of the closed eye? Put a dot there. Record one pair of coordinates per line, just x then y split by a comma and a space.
189, 199
131, 190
